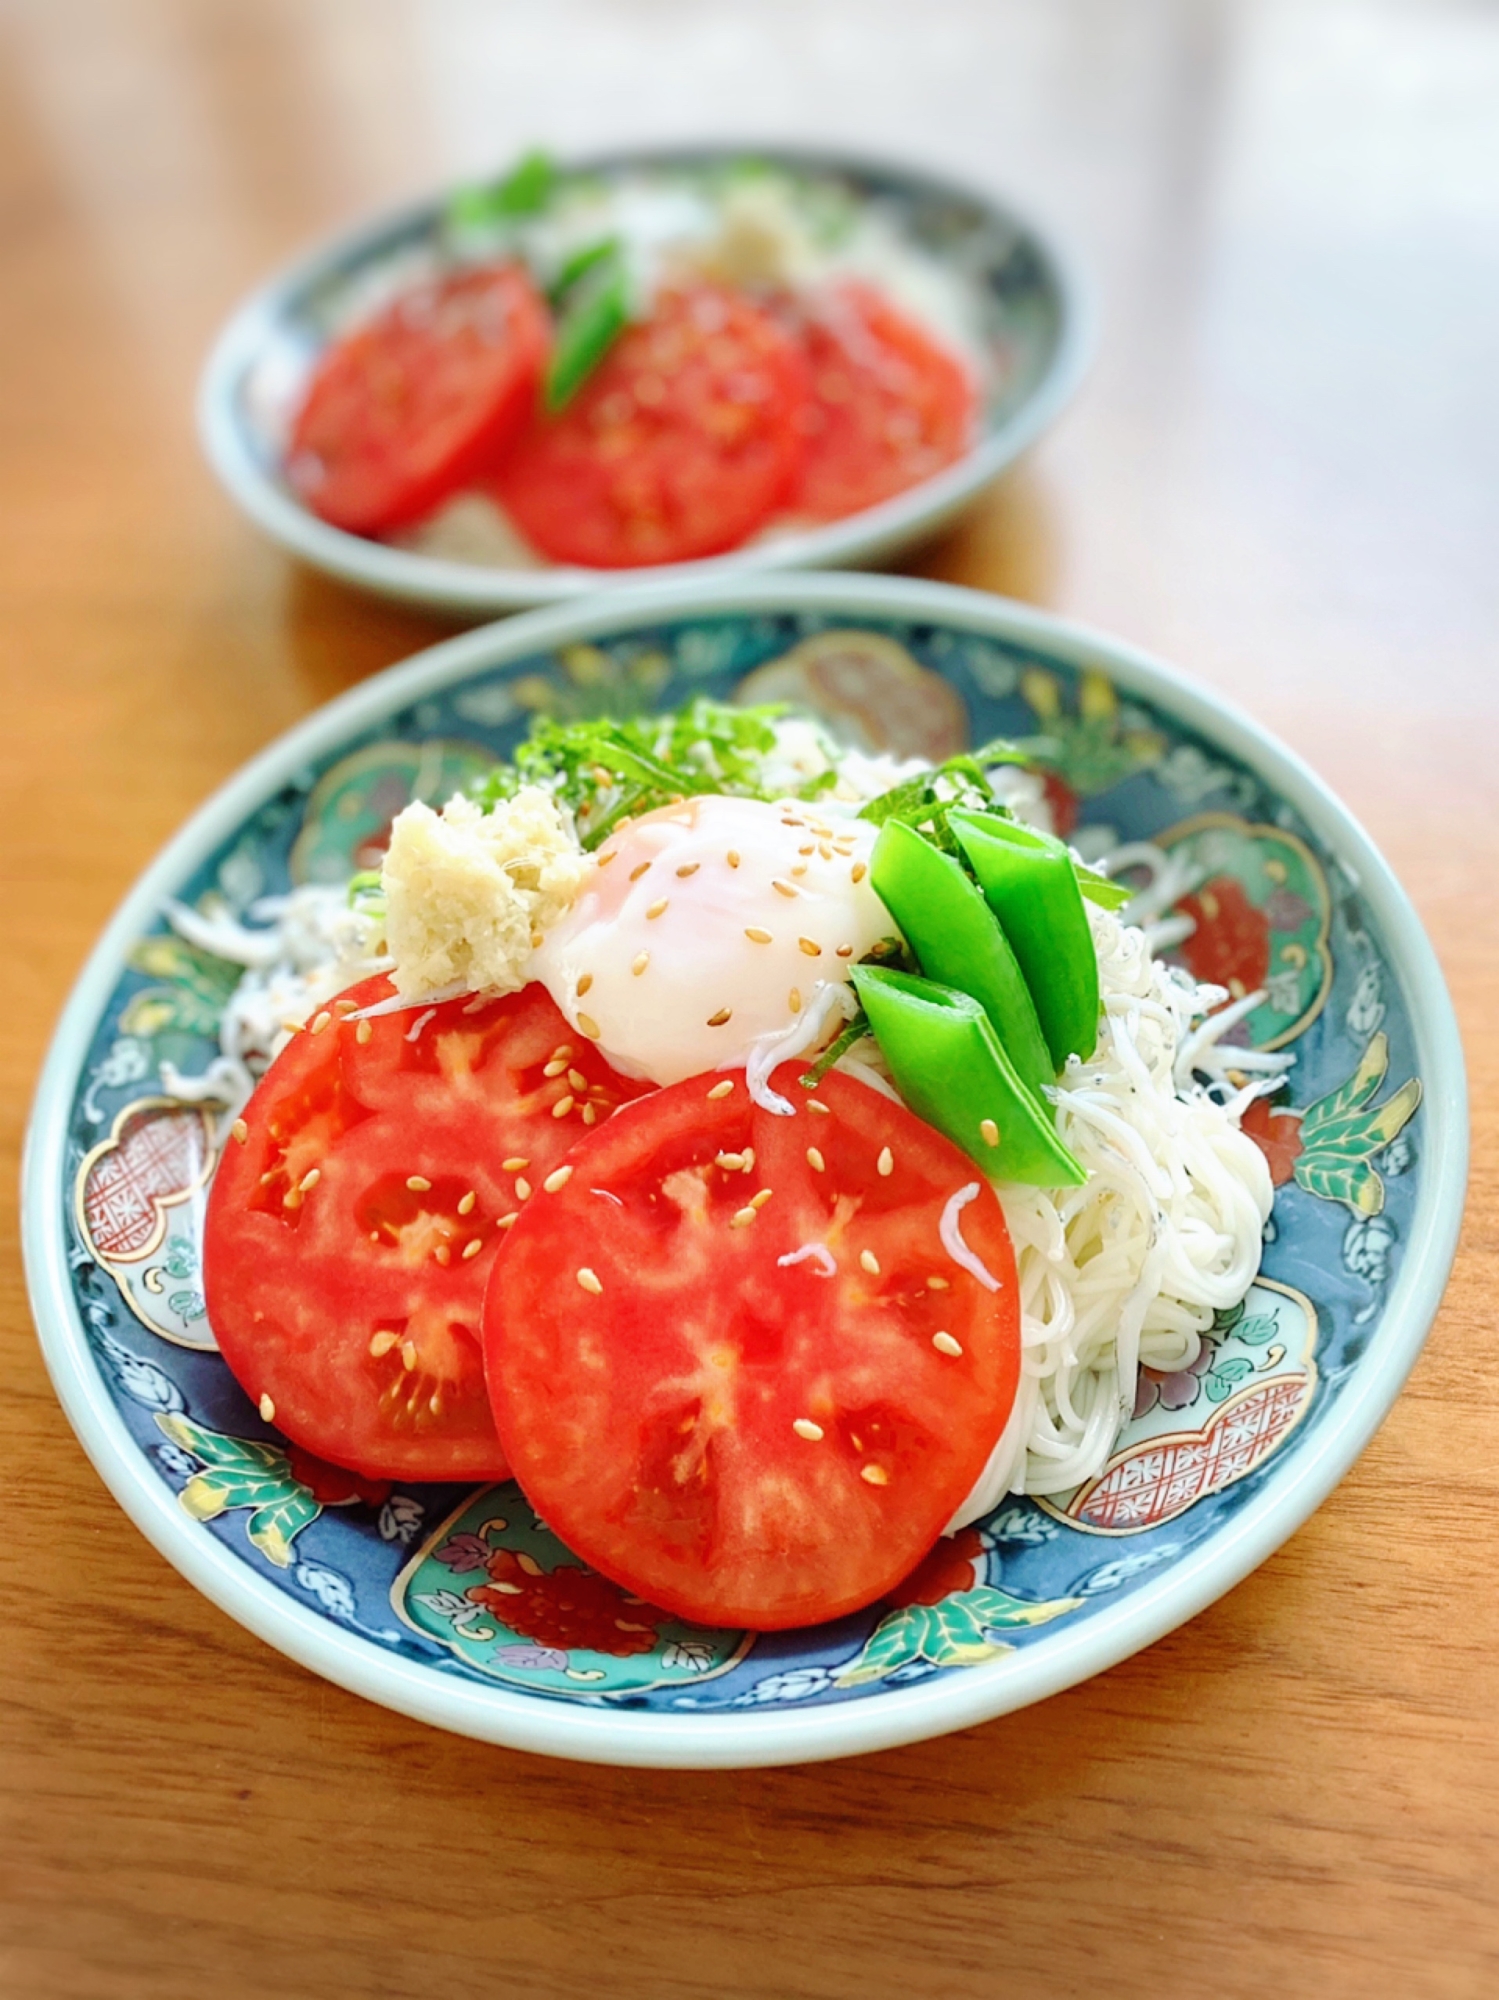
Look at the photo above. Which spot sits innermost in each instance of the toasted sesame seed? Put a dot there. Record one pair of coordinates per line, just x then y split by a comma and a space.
870, 1262
689, 868
816, 1104
589, 1281
783, 888
240, 1130
291, 1027
563, 1105
742, 1218
605, 859
472, 1248
886, 1161
640, 961
657, 907
722, 1089
748, 1157
584, 983
805, 1428
558, 1178
267, 1410
810, 946
537, 940
990, 1131
522, 1190
824, 850
800, 868
589, 1114
364, 1031
381, 1343
345, 1005
945, 1344
759, 1199
810, 848
408, 1355
443, 1254
418, 1183
514, 1165
636, 873
794, 999
858, 871
563, 1052
507, 1222
466, 1202
815, 1160
875, 1475
845, 951
790, 819
321, 1021
310, 1179
588, 1026
757, 936
732, 857
577, 1079
554, 1068
720, 1019
730, 1162
936, 1284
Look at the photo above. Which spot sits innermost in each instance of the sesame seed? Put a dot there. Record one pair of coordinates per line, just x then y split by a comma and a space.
408, 1355
472, 1248
810, 946
657, 907
794, 999
382, 1342
522, 1190
577, 1079
589, 1281
267, 1410
466, 1203
563, 1052
722, 1089
514, 1165
759, 1199
790, 819
636, 873
824, 850
689, 868
886, 1161
783, 888
845, 951
990, 1131
346, 1006
742, 1218
732, 857
756, 936
719, 1019
291, 1027
310, 1179
240, 1130
815, 1160
588, 1026
875, 1475
558, 1178
945, 1344
748, 1157
816, 1104
640, 961
589, 1114
858, 871
563, 1105
507, 1222
805, 1428
870, 1262
935, 1284
584, 983
810, 848
730, 1162
800, 868
364, 1031
537, 940
443, 1254
554, 1068
321, 1021
418, 1183
605, 859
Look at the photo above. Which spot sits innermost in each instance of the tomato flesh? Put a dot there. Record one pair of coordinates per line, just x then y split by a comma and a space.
733, 1423
890, 406
422, 400
678, 446
349, 1237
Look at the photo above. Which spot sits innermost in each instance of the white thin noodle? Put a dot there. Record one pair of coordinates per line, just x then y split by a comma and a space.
1127, 1270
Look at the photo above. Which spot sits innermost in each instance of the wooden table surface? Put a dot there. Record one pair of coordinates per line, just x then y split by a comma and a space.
1281, 476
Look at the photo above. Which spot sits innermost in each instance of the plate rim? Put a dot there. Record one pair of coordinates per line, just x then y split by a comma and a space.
885, 1720
462, 587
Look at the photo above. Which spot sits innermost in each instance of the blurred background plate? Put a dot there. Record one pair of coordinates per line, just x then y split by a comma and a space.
1028, 302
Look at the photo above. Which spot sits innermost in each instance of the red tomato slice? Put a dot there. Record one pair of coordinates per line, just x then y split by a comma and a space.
422, 400
890, 406
350, 1235
699, 1405
678, 446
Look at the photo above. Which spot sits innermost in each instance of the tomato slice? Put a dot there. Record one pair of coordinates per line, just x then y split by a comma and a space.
734, 1388
349, 1236
678, 446
890, 405
423, 399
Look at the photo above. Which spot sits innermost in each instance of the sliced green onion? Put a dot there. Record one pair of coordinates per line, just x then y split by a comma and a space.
958, 942
951, 1068
1028, 882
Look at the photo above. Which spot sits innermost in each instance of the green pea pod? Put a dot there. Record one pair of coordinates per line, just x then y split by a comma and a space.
953, 1071
1028, 881
958, 943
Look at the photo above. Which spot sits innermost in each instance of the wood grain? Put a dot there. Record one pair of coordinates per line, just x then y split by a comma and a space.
1281, 476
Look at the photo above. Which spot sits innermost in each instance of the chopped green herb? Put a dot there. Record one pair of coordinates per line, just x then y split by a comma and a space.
856, 1030
596, 313
924, 802
524, 191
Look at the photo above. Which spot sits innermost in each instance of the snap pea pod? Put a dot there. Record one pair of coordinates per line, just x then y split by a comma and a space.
958, 942
1028, 881
953, 1071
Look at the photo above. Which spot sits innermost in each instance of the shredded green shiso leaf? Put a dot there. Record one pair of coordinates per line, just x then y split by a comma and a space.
924, 802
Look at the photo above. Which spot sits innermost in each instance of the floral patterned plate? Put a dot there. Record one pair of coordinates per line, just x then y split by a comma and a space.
458, 1606
1027, 303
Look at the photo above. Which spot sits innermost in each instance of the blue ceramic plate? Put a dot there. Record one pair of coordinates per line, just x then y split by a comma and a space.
1028, 303
375, 1586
